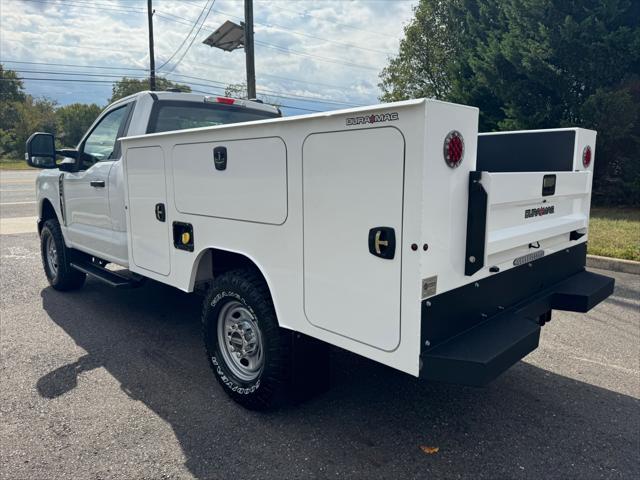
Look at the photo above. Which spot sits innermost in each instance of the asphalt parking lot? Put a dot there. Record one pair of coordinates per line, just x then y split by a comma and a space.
103, 384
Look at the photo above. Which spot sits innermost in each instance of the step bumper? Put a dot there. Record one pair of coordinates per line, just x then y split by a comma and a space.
479, 354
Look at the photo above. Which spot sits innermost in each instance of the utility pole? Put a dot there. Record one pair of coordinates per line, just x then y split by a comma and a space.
152, 60
248, 48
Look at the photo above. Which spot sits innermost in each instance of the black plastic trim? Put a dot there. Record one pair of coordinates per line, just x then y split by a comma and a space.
476, 224
527, 152
473, 333
179, 228
110, 278
455, 311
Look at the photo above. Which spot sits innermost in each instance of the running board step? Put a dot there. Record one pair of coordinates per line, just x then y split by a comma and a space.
112, 279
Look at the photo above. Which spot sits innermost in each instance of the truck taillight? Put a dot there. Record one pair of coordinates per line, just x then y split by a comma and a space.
586, 156
453, 149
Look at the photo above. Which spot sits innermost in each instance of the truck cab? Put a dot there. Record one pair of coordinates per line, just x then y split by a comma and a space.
86, 190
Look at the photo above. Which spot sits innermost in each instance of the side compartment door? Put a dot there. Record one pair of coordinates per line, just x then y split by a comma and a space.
148, 222
352, 205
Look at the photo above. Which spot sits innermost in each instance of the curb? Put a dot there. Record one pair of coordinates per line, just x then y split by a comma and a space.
613, 264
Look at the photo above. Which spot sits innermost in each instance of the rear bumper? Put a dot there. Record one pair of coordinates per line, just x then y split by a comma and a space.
474, 333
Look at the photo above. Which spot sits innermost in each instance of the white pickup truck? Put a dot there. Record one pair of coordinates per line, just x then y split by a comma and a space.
393, 231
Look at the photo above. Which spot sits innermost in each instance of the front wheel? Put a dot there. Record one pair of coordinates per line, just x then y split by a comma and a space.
55, 259
247, 350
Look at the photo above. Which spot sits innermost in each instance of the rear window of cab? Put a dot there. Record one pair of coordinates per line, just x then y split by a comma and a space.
176, 115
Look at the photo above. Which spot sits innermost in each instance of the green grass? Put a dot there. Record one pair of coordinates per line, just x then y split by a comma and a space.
13, 164
615, 232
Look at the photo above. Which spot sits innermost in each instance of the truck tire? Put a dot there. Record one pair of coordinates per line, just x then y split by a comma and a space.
248, 351
55, 259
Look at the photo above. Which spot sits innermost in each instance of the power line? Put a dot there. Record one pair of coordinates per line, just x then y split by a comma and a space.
268, 92
141, 77
77, 3
186, 36
303, 54
294, 32
72, 65
67, 80
193, 39
265, 44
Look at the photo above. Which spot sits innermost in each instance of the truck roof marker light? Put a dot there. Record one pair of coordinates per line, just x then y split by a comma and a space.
453, 149
226, 100
586, 156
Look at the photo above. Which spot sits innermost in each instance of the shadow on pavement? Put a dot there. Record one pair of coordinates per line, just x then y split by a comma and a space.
530, 423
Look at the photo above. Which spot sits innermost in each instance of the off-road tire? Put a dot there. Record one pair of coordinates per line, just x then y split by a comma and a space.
64, 278
271, 388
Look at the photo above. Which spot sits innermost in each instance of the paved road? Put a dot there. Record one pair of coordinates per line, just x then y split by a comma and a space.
104, 384
17, 193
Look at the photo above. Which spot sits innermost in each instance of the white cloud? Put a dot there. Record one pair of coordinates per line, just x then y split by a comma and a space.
327, 49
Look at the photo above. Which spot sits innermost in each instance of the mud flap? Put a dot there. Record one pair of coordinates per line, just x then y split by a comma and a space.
310, 367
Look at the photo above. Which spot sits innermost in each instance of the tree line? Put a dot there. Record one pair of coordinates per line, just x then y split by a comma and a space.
22, 114
531, 64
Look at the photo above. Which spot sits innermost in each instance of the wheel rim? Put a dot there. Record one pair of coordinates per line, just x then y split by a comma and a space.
52, 255
240, 341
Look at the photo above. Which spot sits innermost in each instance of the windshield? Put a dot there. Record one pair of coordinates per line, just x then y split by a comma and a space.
180, 115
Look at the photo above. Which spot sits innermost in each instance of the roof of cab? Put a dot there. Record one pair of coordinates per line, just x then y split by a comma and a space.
200, 98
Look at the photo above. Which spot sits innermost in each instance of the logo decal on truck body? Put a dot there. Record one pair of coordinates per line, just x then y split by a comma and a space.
539, 212
372, 118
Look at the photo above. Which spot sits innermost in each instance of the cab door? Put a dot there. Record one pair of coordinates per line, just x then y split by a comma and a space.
86, 190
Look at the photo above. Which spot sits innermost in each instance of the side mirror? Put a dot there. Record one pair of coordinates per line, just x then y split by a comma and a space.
41, 151
67, 165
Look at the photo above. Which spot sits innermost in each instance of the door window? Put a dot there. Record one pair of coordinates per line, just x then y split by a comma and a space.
100, 145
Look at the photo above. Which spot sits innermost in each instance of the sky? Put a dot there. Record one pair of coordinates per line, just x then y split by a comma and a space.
311, 55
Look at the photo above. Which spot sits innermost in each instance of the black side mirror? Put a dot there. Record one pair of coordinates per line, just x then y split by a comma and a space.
41, 150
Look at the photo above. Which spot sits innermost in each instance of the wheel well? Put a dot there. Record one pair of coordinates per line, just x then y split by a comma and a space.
214, 262
47, 212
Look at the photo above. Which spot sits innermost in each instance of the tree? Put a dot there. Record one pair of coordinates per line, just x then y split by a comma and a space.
533, 64
236, 90
32, 115
73, 121
11, 94
128, 86
426, 61
239, 90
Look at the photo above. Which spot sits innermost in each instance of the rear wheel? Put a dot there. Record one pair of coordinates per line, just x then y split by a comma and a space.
247, 350
55, 259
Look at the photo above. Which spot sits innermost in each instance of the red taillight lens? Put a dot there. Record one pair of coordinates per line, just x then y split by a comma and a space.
453, 149
586, 156
226, 100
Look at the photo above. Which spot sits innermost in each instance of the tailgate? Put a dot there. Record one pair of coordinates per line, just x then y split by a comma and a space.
517, 216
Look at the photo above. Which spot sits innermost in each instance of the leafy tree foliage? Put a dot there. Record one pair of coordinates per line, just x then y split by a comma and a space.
426, 63
236, 90
11, 94
32, 115
239, 90
73, 121
128, 86
534, 64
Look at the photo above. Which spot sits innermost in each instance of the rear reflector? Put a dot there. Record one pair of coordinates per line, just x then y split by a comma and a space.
453, 149
586, 156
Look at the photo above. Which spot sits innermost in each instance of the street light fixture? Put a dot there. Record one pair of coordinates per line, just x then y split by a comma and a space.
231, 36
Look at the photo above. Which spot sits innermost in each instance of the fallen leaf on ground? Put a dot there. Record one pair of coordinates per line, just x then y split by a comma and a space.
429, 450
